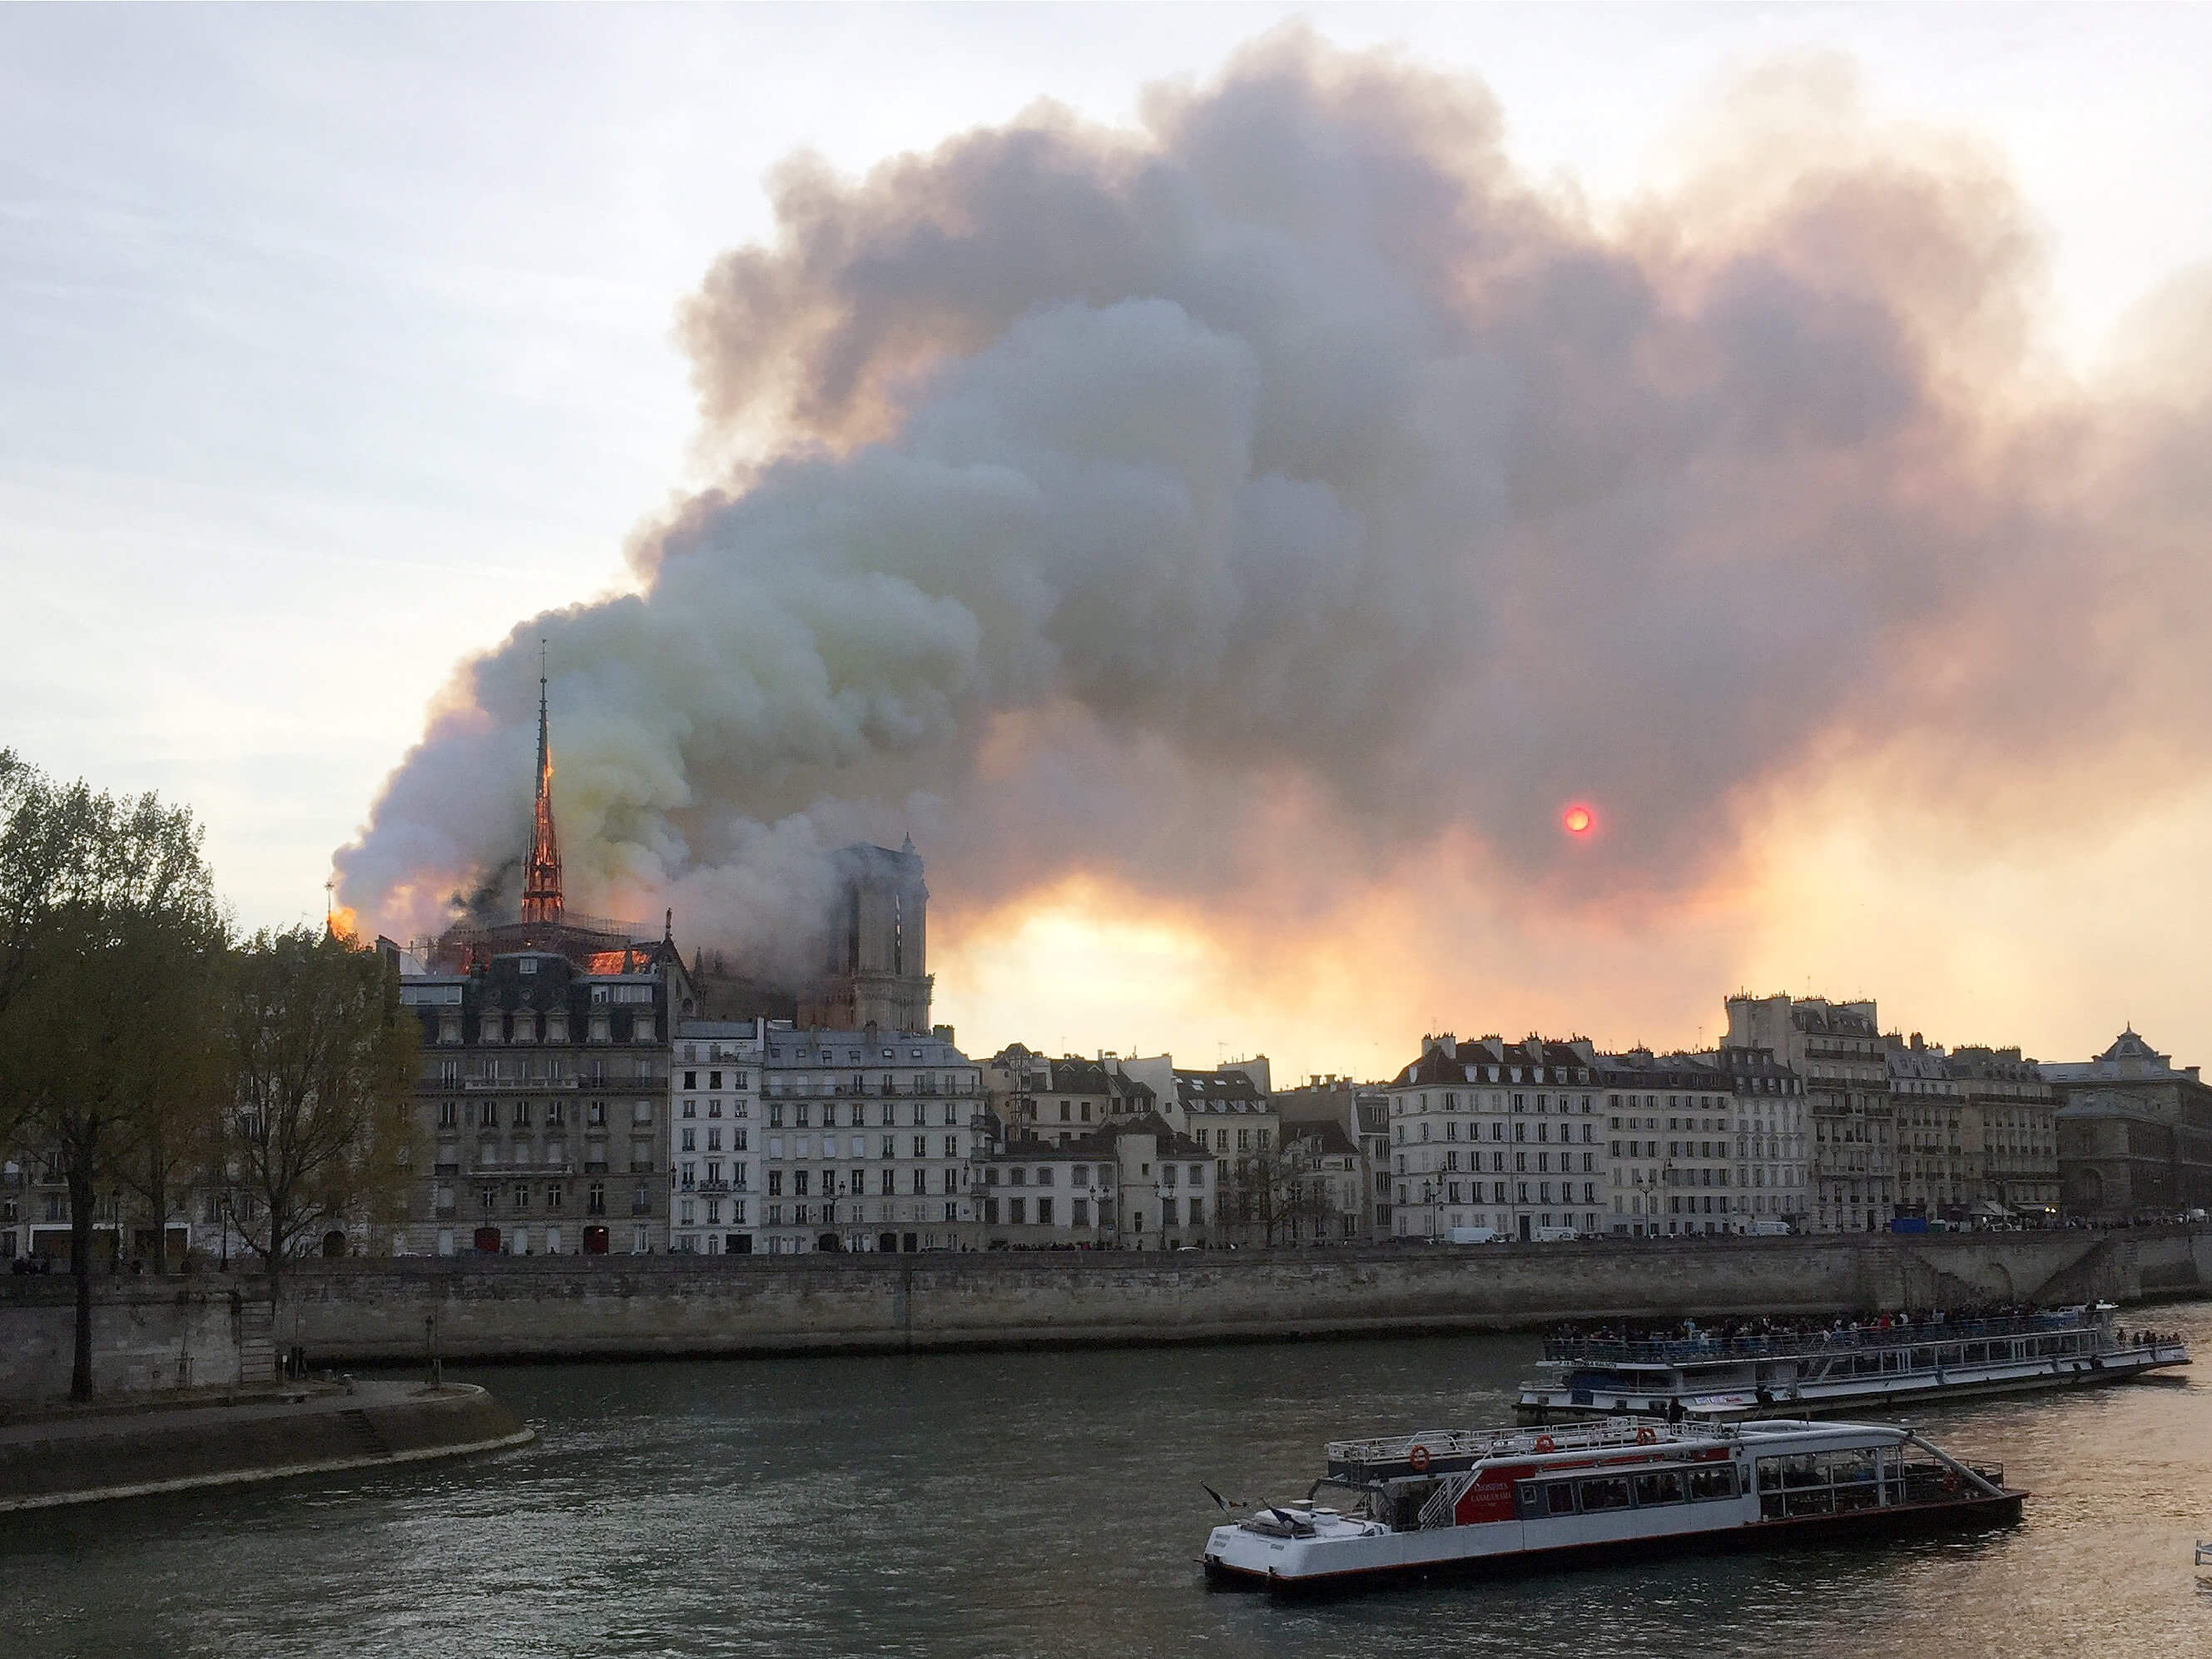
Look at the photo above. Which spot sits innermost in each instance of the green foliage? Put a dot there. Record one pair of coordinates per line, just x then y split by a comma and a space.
109, 933
321, 1064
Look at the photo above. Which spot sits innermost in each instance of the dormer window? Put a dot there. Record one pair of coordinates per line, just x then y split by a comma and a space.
527, 965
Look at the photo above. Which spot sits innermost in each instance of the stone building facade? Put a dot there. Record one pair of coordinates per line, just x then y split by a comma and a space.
1488, 1133
1771, 1167
1938, 1159
875, 968
2009, 1122
865, 1140
713, 1080
1678, 1140
542, 1092
2135, 1133
1837, 1051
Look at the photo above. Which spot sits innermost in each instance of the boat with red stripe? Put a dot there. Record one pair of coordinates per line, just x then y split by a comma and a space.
1448, 1502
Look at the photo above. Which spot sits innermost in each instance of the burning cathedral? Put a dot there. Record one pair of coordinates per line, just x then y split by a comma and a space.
873, 962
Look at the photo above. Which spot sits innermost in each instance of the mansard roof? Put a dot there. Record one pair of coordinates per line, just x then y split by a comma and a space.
1228, 1089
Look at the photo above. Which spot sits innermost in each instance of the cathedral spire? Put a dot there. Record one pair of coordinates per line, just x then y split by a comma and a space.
541, 877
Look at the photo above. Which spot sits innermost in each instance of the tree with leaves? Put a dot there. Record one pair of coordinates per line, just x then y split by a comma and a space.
108, 930
172, 1138
319, 1133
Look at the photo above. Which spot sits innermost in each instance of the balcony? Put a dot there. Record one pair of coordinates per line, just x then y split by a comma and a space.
508, 1167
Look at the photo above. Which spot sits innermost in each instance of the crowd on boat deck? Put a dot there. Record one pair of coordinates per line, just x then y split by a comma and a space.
2143, 1339
1877, 1326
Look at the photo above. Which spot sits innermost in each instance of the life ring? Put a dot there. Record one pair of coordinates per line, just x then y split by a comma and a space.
1950, 1484
1418, 1457
1645, 1436
1546, 1444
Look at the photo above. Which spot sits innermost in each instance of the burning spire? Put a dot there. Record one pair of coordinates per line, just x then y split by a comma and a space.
541, 881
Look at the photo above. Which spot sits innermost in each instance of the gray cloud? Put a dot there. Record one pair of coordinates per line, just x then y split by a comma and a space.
1294, 459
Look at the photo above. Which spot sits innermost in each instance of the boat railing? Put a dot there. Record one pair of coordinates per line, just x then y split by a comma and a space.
1481, 1444
1791, 1345
1442, 1508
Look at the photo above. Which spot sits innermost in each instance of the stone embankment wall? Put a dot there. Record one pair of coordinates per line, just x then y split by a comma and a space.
148, 1334
569, 1307
129, 1454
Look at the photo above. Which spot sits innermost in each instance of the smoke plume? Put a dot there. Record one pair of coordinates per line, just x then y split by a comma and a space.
1290, 486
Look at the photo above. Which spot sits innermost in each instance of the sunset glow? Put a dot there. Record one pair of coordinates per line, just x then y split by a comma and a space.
1578, 820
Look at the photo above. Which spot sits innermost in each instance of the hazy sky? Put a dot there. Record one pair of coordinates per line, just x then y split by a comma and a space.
336, 342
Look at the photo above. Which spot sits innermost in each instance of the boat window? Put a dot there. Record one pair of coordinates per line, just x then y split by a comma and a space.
1559, 1498
1854, 1464
1718, 1481
1660, 1486
1609, 1493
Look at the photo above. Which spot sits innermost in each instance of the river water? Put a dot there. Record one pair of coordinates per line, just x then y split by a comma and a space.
1047, 1504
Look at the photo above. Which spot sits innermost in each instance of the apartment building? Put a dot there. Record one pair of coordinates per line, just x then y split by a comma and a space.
1488, 1133
713, 1117
1838, 1052
865, 1140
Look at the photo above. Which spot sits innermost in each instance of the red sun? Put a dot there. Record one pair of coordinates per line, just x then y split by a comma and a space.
1578, 820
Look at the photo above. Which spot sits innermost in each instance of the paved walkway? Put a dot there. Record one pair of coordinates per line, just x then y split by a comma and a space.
304, 1400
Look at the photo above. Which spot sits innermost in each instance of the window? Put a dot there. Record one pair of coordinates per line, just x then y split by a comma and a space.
1660, 1486
1716, 1480
1608, 1493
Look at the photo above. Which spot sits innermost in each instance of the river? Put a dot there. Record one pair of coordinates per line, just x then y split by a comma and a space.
1047, 1504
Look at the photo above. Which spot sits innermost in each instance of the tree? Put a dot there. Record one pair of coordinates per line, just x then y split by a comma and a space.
108, 921
319, 1133
173, 1135
1280, 1192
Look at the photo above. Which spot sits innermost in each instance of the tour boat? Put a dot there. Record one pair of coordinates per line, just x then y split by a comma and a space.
1446, 1502
1815, 1373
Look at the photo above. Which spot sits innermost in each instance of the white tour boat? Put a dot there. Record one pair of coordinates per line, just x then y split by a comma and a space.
1455, 1501
1815, 1373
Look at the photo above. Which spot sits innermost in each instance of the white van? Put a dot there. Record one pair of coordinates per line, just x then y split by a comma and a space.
1470, 1235
1553, 1234
1768, 1229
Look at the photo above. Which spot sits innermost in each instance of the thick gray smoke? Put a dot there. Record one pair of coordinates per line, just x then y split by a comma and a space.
1293, 474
